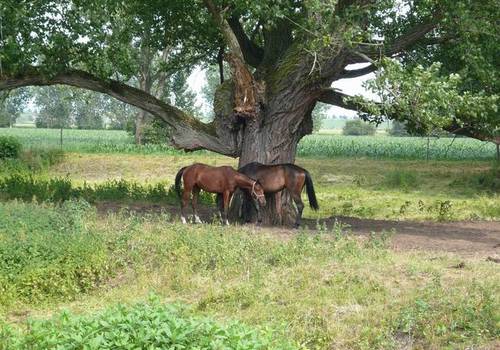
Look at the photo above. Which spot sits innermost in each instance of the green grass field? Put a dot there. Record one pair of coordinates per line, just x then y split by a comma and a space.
312, 146
74, 278
322, 291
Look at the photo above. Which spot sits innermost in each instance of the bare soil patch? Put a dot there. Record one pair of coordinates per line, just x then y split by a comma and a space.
464, 237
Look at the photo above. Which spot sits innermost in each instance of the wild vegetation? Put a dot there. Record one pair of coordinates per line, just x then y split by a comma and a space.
92, 254
318, 291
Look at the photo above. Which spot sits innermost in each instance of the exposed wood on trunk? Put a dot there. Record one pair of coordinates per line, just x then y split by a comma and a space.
245, 97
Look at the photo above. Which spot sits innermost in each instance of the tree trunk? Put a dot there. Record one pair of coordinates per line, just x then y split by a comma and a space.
272, 138
140, 120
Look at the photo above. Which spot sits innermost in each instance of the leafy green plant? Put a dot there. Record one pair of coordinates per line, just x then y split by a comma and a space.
149, 325
10, 147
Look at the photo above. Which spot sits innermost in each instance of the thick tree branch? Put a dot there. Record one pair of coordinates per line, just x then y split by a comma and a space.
188, 132
354, 73
401, 43
337, 98
252, 53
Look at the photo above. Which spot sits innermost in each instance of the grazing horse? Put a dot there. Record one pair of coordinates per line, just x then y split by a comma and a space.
275, 178
222, 180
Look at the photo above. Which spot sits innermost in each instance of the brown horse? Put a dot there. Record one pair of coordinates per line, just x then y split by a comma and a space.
222, 180
275, 178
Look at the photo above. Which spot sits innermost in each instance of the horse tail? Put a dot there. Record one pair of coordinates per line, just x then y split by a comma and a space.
178, 179
313, 202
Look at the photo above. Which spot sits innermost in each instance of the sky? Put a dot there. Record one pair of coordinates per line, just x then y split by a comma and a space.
348, 86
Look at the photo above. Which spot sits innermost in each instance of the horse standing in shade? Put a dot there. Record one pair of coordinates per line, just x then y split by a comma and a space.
275, 178
222, 180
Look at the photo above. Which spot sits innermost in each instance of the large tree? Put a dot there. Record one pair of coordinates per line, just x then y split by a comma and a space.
284, 56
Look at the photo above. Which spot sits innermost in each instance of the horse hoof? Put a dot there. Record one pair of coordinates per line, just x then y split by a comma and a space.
296, 226
197, 220
183, 220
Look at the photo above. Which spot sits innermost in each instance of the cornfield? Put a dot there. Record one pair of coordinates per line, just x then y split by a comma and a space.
328, 146
389, 147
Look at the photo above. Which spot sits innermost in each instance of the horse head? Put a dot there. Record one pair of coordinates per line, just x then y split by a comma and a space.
258, 193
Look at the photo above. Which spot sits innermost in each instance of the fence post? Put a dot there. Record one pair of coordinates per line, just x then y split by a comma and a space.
428, 144
61, 138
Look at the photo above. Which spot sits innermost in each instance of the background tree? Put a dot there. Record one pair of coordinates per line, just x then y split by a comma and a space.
358, 127
54, 107
283, 56
12, 105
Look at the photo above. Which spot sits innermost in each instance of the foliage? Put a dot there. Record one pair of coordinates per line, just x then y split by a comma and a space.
425, 99
141, 326
10, 147
27, 187
54, 105
12, 104
319, 115
47, 253
358, 127
398, 129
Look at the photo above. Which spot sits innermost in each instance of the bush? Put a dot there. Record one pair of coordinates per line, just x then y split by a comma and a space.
398, 129
358, 127
150, 325
10, 147
19, 185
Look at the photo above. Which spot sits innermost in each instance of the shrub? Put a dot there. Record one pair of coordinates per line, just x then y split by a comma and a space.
398, 129
150, 325
358, 127
10, 147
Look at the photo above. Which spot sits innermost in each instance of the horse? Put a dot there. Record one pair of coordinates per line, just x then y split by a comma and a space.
223, 180
275, 178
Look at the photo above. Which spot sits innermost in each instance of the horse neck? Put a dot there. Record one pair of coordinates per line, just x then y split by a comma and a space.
244, 181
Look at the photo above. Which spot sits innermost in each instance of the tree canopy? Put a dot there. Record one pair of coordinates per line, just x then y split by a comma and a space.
276, 49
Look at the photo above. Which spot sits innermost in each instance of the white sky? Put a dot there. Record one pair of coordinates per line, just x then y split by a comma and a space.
348, 86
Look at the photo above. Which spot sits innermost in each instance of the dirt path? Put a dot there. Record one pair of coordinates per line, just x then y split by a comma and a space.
464, 237
469, 237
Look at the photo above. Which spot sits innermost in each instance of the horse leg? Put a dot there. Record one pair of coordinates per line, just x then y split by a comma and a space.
279, 209
194, 203
184, 203
226, 198
300, 207
220, 205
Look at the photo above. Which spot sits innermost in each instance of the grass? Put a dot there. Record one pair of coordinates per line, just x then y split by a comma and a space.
317, 145
378, 189
327, 290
